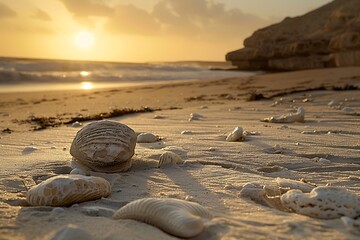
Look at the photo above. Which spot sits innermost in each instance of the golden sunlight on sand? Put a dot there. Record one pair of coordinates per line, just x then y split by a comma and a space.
87, 85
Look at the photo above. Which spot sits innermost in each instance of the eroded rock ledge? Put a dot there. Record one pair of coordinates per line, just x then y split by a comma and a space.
326, 37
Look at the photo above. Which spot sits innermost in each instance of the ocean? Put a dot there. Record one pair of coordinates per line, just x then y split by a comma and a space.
19, 74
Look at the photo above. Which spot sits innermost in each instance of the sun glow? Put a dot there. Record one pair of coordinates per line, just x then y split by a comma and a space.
86, 85
84, 39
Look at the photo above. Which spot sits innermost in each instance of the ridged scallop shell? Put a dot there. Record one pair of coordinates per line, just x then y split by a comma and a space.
235, 135
177, 217
299, 116
64, 190
147, 138
170, 158
104, 146
323, 202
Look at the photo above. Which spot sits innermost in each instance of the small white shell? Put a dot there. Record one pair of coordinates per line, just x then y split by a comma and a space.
323, 202
76, 124
104, 146
64, 190
288, 184
299, 116
195, 116
235, 135
170, 158
177, 217
147, 138
334, 104
186, 132
257, 193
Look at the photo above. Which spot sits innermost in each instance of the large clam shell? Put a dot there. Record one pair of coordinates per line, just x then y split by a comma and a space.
177, 217
104, 146
64, 190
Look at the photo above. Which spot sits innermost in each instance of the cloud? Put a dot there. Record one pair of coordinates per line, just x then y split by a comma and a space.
128, 19
82, 10
203, 19
6, 12
41, 15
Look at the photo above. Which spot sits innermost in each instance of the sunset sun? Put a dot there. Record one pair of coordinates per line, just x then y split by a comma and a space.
84, 39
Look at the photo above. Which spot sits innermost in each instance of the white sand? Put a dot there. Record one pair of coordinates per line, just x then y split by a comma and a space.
205, 174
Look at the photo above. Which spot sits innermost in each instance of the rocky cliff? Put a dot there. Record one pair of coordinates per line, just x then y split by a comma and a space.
326, 37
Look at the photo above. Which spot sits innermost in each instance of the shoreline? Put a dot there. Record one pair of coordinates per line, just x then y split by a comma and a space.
321, 150
63, 106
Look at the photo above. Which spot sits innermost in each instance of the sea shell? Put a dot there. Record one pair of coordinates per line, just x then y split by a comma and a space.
288, 184
235, 135
299, 116
76, 124
177, 217
186, 132
195, 116
104, 146
323, 202
258, 194
64, 190
147, 138
170, 158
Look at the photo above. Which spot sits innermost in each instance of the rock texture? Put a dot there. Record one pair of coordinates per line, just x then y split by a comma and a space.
326, 37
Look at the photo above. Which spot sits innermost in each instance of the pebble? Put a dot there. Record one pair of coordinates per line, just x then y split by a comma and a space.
186, 132
29, 149
76, 124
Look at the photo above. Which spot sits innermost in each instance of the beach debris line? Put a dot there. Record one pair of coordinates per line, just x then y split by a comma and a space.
104, 146
40, 123
299, 116
147, 138
7, 130
169, 158
114, 113
64, 190
177, 217
236, 135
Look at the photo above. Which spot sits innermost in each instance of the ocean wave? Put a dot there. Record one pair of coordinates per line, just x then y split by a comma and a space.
28, 71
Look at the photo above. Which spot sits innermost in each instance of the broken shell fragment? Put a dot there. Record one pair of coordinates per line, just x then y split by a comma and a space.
104, 146
235, 135
147, 138
288, 184
64, 190
195, 116
323, 202
177, 217
169, 158
299, 116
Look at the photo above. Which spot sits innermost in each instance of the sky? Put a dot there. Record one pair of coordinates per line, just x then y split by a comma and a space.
137, 30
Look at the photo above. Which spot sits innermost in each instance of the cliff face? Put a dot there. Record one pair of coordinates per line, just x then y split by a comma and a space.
326, 37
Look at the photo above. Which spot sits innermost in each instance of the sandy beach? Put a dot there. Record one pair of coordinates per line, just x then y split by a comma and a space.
323, 150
